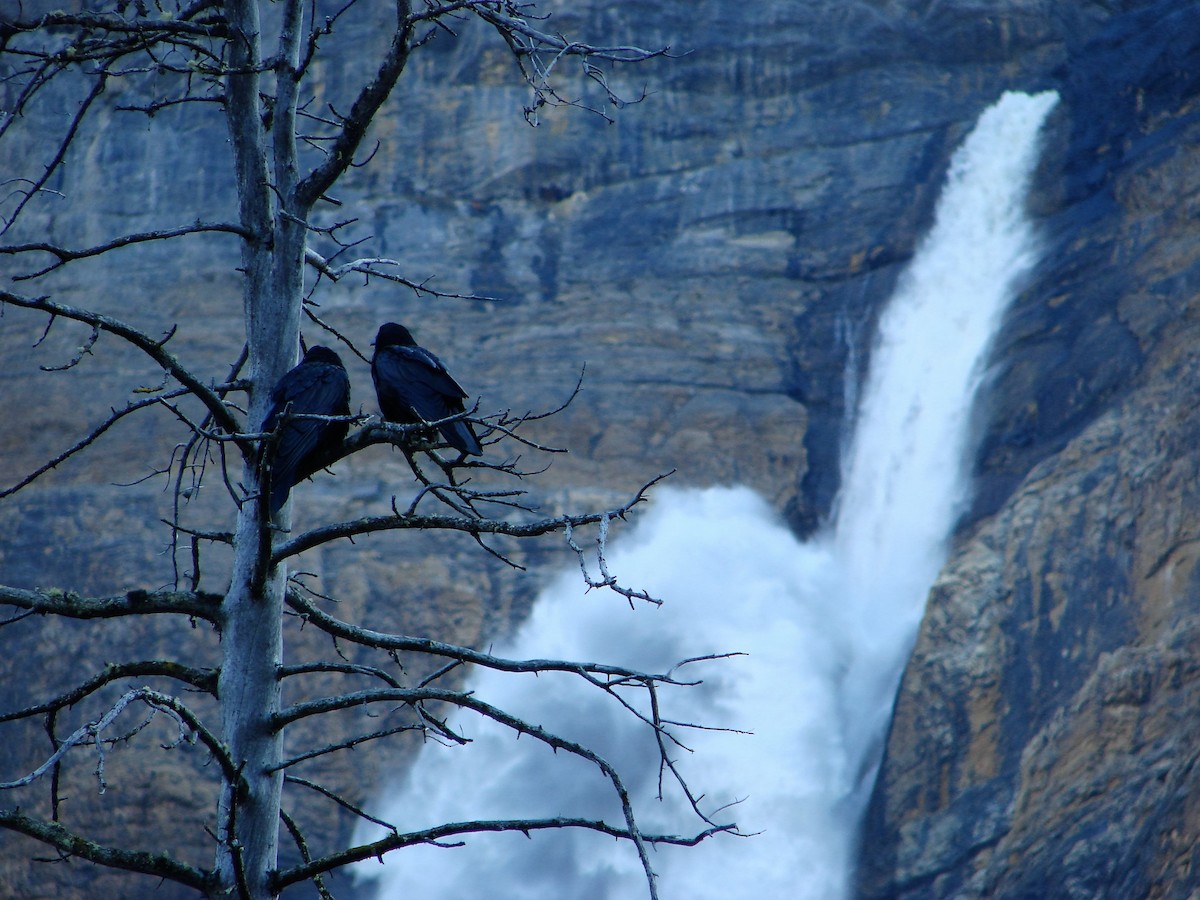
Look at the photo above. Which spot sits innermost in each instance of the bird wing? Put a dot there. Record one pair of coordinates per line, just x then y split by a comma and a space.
412, 385
305, 445
415, 378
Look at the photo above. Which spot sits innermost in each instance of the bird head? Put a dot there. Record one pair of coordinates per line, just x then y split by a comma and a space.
393, 335
322, 354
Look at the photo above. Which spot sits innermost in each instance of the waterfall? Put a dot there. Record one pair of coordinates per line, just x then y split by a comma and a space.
825, 625
904, 479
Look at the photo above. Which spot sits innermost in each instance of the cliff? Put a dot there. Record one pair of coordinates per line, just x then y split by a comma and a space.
712, 256
1043, 739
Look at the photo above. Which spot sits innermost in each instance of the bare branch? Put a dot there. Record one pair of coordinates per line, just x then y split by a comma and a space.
147, 30
90, 733
606, 580
462, 523
384, 641
355, 123
343, 668
439, 833
377, 267
348, 744
67, 842
60, 155
335, 797
156, 350
64, 255
84, 350
303, 710
317, 31
302, 845
53, 601
468, 701
201, 679
538, 53
543, 40
115, 416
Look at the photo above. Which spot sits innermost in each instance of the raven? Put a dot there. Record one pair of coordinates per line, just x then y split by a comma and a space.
318, 386
414, 387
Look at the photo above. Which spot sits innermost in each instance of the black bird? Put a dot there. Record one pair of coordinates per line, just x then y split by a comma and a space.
318, 385
414, 387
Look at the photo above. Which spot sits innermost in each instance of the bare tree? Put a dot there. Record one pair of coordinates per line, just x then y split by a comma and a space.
255, 61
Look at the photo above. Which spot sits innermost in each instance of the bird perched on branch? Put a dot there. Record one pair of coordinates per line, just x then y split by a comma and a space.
414, 387
319, 386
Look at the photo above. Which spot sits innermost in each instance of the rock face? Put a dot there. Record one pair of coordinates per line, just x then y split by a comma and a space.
712, 256
1043, 739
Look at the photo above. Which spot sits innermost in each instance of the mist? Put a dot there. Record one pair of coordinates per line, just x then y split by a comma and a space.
793, 724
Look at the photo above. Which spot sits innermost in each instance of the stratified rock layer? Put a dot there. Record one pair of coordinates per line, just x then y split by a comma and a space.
1043, 743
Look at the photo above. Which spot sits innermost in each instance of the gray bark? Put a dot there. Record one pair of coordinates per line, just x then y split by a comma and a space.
273, 257
274, 205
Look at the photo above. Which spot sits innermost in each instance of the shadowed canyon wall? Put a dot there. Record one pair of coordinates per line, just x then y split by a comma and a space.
1043, 741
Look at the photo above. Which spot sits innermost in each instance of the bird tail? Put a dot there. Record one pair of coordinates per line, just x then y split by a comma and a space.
460, 436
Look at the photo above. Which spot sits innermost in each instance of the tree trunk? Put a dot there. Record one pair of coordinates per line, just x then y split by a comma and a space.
249, 694
251, 638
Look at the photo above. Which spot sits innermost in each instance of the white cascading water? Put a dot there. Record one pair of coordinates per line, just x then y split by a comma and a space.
905, 479
825, 625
